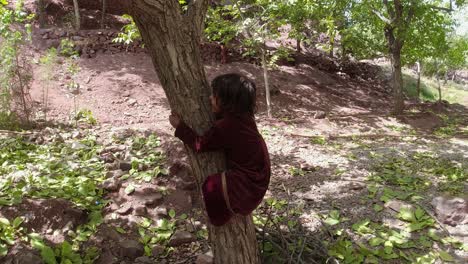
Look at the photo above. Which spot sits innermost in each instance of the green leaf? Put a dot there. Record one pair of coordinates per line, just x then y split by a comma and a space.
120, 230
419, 213
17, 222
4, 221
378, 208
331, 221
48, 255
406, 214
130, 189
3, 250
445, 256
172, 213
376, 241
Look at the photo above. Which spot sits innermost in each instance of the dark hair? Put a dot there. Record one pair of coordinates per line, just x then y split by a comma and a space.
236, 93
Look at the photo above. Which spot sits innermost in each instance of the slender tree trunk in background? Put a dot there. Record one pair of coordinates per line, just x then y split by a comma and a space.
267, 84
77, 15
42, 13
332, 46
395, 33
397, 79
438, 82
418, 85
173, 41
103, 13
298, 45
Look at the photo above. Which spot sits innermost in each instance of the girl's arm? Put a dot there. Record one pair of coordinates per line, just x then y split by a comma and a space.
212, 140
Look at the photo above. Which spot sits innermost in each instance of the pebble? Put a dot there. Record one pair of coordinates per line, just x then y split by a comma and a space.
131, 249
180, 238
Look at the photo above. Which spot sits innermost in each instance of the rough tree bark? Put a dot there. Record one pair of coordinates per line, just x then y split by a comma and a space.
418, 85
77, 14
103, 14
395, 32
41, 13
172, 38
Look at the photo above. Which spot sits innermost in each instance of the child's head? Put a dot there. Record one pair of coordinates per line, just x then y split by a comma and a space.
233, 93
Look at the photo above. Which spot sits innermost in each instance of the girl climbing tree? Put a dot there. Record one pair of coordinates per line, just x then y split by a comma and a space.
171, 32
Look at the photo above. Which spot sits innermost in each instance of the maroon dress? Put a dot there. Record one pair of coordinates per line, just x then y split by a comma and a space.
248, 165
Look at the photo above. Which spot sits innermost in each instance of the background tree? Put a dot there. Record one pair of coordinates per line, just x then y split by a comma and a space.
408, 28
172, 33
76, 7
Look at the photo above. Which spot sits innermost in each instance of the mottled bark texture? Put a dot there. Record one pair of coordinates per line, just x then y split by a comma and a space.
172, 37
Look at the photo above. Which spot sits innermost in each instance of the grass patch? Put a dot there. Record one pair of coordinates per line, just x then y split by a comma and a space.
451, 91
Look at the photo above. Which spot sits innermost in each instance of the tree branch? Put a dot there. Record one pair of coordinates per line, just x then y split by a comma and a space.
442, 8
382, 17
197, 10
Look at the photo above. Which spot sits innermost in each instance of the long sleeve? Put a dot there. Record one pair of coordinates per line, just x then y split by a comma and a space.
213, 139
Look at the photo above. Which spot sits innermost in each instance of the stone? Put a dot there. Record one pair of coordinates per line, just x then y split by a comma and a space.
153, 199
118, 173
111, 185
452, 211
140, 210
124, 209
132, 102
157, 250
320, 115
125, 166
131, 249
27, 258
204, 259
180, 238
143, 260
161, 211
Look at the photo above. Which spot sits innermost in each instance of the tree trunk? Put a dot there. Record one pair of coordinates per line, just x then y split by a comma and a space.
332, 46
103, 14
267, 84
397, 80
173, 39
41, 13
438, 82
298, 45
77, 14
418, 85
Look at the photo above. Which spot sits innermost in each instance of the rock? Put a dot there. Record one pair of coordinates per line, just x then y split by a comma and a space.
204, 259
452, 211
140, 210
153, 199
132, 102
27, 258
157, 250
107, 157
77, 145
161, 211
320, 115
124, 209
180, 238
118, 173
112, 184
125, 166
143, 260
131, 249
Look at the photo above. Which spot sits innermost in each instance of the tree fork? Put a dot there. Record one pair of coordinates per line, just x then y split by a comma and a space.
173, 39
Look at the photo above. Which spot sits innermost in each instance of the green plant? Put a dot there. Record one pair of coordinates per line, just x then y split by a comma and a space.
129, 32
15, 73
9, 232
86, 116
67, 48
